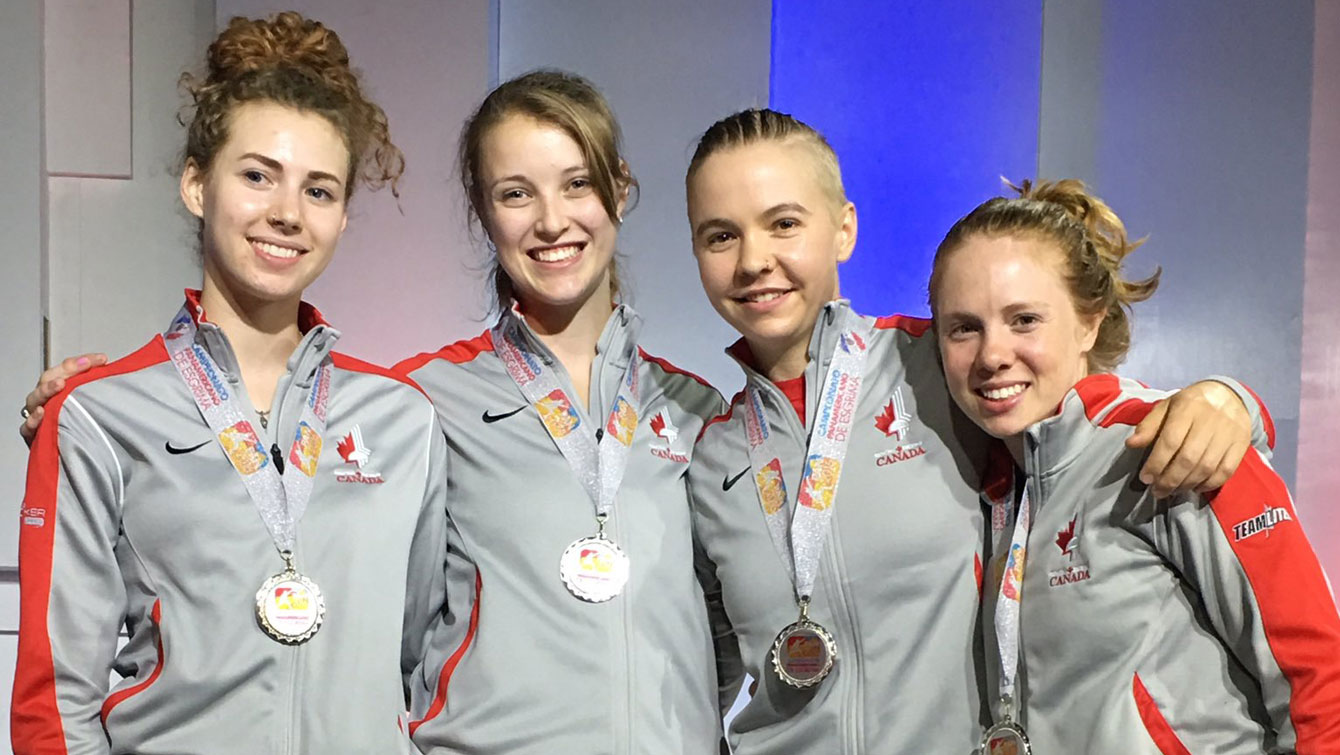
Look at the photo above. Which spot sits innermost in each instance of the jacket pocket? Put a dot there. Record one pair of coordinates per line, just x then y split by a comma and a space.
1155, 724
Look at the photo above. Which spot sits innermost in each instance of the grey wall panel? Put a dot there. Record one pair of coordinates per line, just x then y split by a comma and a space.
669, 69
88, 87
21, 218
121, 251
1197, 114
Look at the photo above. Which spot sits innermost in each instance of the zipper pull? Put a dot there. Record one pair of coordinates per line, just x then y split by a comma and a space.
600, 434
278, 457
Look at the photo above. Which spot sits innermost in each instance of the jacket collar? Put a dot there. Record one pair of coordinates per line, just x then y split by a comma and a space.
317, 342
614, 348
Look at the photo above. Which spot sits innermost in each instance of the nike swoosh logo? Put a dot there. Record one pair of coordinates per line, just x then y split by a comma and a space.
491, 418
729, 482
174, 450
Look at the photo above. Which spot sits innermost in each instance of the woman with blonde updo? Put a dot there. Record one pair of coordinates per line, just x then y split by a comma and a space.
1116, 621
254, 509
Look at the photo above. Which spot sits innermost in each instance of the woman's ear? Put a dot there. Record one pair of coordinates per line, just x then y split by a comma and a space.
193, 188
846, 231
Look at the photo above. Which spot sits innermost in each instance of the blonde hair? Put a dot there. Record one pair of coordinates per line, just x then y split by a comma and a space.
1093, 244
761, 124
573, 105
294, 61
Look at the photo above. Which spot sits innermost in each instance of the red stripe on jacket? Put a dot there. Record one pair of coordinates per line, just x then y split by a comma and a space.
35, 722
916, 326
668, 367
724, 416
1298, 612
1164, 737
114, 700
354, 364
448, 668
457, 353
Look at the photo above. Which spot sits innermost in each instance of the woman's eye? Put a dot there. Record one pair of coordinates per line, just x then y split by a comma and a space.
512, 195
580, 184
787, 224
316, 192
253, 176
962, 330
1027, 320
718, 238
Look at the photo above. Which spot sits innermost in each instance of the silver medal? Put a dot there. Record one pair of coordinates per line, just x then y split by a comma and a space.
289, 606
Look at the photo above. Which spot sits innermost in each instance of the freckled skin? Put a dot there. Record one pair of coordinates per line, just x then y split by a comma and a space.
1004, 320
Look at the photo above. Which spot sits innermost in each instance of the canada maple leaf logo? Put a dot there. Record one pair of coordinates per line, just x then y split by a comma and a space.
352, 449
1065, 539
664, 428
893, 421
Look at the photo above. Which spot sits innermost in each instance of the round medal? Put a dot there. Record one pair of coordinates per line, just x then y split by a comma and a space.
1006, 738
289, 607
594, 569
803, 654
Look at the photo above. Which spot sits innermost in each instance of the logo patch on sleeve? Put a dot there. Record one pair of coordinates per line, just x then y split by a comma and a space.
1263, 522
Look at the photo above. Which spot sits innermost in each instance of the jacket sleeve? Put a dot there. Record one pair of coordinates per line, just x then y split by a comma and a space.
73, 600
726, 646
1266, 597
426, 589
450, 625
1263, 425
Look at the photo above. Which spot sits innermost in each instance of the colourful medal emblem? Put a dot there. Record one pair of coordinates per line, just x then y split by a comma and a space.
289, 606
594, 569
804, 652
1006, 738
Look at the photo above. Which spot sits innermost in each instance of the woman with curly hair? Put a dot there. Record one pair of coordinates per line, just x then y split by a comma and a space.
254, 509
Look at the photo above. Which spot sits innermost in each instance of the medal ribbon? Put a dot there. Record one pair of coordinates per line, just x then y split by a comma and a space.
802, 542
1008, 602
599, 465
280, 499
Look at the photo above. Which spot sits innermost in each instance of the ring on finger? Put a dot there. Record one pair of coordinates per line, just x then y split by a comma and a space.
25, 413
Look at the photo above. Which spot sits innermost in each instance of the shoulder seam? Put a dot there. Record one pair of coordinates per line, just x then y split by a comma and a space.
913, 326
354, 364
459, 352
723, 417
120, 474
669, 367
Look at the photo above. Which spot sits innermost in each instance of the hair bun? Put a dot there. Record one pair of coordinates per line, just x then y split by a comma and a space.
286, 40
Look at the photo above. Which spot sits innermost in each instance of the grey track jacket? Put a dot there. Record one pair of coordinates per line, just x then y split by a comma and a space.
1193, 624
133, 517
524, 668
898, 580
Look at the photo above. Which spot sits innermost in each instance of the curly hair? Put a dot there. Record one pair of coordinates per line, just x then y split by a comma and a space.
573, 105
297, 62
1092, 242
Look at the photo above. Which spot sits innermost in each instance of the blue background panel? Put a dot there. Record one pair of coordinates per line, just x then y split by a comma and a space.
928, 106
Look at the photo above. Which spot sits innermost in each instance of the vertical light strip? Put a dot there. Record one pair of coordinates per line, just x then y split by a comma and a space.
1319, 397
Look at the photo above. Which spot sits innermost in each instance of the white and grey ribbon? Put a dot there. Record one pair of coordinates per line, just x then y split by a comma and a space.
801, 540
598, 463
280, 499
1009, 599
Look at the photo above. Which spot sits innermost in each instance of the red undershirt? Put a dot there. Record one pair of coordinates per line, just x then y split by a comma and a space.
794, 389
